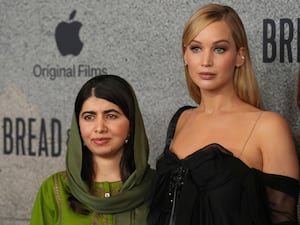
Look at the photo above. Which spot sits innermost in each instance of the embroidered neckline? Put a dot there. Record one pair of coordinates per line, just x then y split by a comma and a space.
106, 189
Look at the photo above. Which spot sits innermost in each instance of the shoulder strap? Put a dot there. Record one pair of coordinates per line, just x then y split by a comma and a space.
251, 131
172, 124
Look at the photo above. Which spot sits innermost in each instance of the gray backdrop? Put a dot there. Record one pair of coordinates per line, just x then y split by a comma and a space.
138, 40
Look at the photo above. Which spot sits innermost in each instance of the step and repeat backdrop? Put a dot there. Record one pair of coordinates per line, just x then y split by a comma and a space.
48, 49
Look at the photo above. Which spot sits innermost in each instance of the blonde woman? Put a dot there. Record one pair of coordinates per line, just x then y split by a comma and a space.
226, 160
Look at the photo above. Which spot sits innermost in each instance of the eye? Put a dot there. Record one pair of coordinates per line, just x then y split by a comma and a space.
89, 117
111, 116
195, 49
220, 50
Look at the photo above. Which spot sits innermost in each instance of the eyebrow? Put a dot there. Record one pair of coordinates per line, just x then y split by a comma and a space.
111, 110
215, 42
105, 112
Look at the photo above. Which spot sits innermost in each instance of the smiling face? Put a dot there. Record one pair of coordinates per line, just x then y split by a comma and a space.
212, 56
103, 127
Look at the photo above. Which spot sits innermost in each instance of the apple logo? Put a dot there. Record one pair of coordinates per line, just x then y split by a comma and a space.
67, 36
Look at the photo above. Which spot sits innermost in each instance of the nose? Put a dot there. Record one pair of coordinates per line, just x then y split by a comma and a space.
206, 59
100, 126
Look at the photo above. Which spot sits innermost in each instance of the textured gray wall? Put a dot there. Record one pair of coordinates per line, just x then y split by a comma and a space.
138, 40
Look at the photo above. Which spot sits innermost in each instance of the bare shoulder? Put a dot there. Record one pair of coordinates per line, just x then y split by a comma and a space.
277, 145
184, 116
274, 128
273, 119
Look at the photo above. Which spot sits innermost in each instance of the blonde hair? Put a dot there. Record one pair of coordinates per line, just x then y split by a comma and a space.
245, 84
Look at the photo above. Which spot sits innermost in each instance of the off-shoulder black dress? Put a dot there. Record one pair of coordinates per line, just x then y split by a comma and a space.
212, 187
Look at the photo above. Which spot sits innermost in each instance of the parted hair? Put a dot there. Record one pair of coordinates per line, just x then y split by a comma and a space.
245, 83
118, 91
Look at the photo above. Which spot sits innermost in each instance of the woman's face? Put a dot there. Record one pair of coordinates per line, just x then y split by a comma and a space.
104, 127
212, 56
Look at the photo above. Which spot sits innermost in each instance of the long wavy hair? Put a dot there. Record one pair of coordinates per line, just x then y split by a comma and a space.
245, 83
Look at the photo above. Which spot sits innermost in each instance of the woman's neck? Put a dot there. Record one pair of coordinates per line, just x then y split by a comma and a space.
106, 170
214, 103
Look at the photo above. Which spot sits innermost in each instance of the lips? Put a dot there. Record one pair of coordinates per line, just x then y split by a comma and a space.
207, 75
101, 141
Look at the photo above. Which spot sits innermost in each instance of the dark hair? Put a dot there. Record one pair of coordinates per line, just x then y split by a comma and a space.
298, 97
116, 90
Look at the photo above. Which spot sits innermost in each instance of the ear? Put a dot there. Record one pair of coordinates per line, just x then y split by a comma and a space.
240, 57
184, 59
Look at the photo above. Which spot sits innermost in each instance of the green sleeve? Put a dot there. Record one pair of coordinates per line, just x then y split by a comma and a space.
45, 210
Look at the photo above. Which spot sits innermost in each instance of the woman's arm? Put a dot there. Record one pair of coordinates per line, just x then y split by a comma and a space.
281, 169
277, 146
45, 209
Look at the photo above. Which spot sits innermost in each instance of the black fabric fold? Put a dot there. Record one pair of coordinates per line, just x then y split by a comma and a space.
219, 189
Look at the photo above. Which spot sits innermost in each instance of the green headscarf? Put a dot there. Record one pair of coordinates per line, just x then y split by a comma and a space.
135, 188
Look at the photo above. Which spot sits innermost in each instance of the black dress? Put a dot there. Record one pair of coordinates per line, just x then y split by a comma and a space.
212, 187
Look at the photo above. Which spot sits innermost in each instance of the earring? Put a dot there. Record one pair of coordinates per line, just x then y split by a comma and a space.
126, 140
243, 57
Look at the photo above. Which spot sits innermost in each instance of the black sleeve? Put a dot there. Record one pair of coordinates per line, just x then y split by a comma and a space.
282, 198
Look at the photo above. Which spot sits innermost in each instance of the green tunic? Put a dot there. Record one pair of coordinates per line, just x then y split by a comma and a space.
51, 205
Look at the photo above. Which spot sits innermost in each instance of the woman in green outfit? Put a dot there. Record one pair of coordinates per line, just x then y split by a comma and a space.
107, 177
